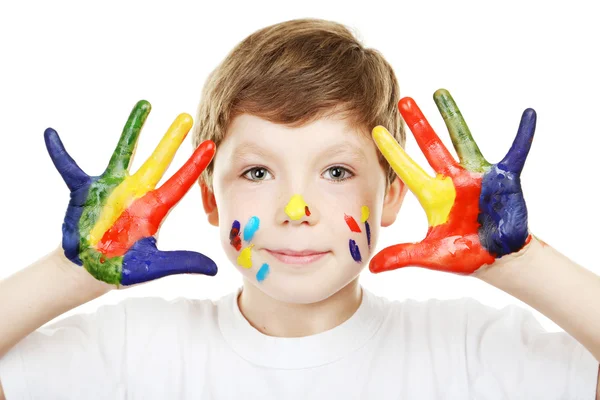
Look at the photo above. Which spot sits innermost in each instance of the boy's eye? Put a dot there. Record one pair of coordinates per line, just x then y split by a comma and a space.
339, 173
256, 174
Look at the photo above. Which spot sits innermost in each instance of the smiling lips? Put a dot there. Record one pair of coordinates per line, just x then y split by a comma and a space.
297, 257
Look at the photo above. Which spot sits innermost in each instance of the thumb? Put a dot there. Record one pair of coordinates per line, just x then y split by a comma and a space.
144, 262
400, 256
457, 254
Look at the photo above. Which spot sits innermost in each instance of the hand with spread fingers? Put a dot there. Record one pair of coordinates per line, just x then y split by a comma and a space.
475, 210
111, 219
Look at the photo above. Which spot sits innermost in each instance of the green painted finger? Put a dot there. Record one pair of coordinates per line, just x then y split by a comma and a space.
469, 154
121, 157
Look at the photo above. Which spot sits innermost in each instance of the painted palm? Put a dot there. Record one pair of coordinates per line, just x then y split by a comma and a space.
475, 210
111, 219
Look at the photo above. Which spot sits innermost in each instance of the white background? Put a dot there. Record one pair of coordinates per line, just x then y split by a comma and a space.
80, 68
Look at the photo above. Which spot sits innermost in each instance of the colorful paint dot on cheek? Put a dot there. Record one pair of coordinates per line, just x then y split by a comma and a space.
234, 235
368, 229
262, 272
307, 211
296, 207
251, 227
352, 223
364, 213
355, 251
245, 257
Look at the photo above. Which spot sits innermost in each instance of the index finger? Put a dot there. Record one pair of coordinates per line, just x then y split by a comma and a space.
436, 195
405, 167
174, 189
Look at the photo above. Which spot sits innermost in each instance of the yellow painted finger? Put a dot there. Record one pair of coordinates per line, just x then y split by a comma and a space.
144, 180
150, 173
406, 168
436, 195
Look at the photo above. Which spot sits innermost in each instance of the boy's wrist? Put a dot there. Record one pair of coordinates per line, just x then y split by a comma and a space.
77, 274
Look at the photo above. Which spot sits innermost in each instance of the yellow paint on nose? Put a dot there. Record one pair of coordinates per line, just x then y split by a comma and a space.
296, 208
364, 211
245, 257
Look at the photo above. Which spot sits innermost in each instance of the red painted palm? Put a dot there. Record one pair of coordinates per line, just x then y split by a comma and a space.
475, 210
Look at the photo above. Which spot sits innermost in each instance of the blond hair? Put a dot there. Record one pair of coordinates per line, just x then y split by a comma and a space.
295, 72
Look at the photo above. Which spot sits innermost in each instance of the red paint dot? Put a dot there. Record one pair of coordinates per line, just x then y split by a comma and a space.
307, 211
237, 243
352, 223
102, 259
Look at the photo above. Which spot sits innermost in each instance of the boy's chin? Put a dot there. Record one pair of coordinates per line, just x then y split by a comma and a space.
301, 290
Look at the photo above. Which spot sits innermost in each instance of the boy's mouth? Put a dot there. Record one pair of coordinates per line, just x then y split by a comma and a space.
297, 257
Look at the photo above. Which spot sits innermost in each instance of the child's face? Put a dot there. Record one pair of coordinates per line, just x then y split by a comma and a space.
307, 188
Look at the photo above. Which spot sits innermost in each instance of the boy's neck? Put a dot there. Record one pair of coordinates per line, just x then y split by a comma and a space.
297, 320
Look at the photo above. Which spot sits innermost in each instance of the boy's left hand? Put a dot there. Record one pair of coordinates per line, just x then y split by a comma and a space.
475, 210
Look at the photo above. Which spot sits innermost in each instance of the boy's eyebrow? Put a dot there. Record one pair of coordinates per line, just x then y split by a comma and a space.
246, 148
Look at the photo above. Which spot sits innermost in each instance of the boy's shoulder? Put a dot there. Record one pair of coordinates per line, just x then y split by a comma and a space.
168, 310
460, 316
137, 317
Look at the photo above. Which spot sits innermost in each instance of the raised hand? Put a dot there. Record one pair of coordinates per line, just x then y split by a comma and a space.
475, 210
111, 219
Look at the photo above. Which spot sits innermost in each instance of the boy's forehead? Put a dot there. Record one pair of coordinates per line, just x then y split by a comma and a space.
248, 149
249, 134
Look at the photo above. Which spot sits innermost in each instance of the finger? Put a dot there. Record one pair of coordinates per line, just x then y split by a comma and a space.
144, 215
121, 157
155, 166
468, 152
400, 256
144, 262
178, 185
515, 158
73, 176
461, 255
432, 147
405, 167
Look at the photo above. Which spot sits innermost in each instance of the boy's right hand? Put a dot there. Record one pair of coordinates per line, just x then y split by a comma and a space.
111, 219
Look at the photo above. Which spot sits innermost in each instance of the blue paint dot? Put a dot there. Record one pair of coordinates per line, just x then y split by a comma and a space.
262, 272
368, 229
251, 228
355, 251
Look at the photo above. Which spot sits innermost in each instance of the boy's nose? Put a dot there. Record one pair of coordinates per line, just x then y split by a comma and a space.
298, 211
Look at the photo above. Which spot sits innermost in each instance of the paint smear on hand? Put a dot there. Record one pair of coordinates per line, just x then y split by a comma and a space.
250, 228
355, 251
245, 257
262, 272
364, 212
234, 235
352, 223
296, 207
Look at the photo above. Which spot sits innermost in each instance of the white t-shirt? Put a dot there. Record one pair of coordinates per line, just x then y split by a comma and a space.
151, 348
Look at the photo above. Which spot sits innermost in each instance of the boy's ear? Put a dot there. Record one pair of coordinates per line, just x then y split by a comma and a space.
210, 204
392, 202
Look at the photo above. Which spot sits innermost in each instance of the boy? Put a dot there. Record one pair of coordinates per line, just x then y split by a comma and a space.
298, 192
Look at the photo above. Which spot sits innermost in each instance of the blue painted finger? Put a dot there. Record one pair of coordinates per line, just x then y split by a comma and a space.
144, 262
70, 228
73, 176
515, 158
